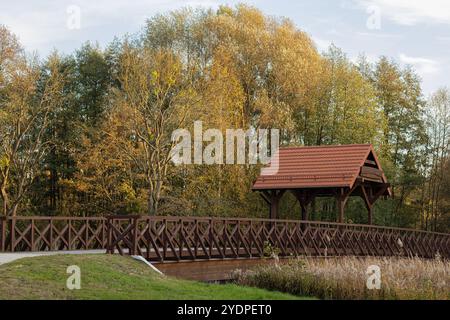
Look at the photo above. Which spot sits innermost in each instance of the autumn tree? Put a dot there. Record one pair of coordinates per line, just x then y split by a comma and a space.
438, 124
346, 110
29, 93
159, 95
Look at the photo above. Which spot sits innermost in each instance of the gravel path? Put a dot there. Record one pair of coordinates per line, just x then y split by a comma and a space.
8, 257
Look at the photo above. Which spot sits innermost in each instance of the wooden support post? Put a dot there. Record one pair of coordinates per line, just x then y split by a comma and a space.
304, 198
274, 201
342, 198
304, 211
313, 209
369, 212
341, 209
272, 198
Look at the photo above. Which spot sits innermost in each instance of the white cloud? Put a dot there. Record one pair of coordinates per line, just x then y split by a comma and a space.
379, 35
423, 66
411, 12
443, 38
41, 25
322, 44
370, 57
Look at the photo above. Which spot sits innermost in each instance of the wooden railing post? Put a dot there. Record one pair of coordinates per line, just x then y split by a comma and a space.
180, 238
250, 240
151, 227
164, 235
69, 234
134, 235
2, 234
224, 238
196, 239
12, 233
86, 234
51, 235
32, 236
104, 234
109, 232
210, 235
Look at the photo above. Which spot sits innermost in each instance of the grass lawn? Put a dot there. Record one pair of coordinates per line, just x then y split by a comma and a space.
110, 277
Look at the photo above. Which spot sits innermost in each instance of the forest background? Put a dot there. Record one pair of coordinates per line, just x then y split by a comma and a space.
89, 134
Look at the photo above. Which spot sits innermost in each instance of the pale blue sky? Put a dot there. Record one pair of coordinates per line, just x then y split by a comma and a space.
413, 32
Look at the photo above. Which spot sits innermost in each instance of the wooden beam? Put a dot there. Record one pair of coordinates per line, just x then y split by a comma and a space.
380, 192
371, 162
368, 201
369, 197
265, 197
365, 196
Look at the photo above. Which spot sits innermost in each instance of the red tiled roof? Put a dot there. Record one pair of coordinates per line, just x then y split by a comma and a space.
318, 166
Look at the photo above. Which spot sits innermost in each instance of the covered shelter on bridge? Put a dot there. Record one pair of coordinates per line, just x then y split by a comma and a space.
338, 171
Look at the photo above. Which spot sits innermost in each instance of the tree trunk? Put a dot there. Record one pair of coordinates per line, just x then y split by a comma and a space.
151, 204
14, 210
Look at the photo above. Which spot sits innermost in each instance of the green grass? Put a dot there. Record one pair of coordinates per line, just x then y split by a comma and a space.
110, 277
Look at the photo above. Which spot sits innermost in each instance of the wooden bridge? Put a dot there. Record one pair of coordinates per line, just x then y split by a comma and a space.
209, 248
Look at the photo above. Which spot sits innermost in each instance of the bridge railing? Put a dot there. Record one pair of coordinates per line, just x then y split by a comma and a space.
39, 233
195, 238
198, 238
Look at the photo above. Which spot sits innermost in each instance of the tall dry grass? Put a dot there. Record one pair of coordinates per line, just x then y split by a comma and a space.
346, 278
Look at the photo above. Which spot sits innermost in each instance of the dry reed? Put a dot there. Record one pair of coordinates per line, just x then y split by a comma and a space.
346, 278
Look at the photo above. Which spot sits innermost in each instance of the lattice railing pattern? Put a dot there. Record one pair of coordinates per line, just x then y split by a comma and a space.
192, 238
54, 233
197, 238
